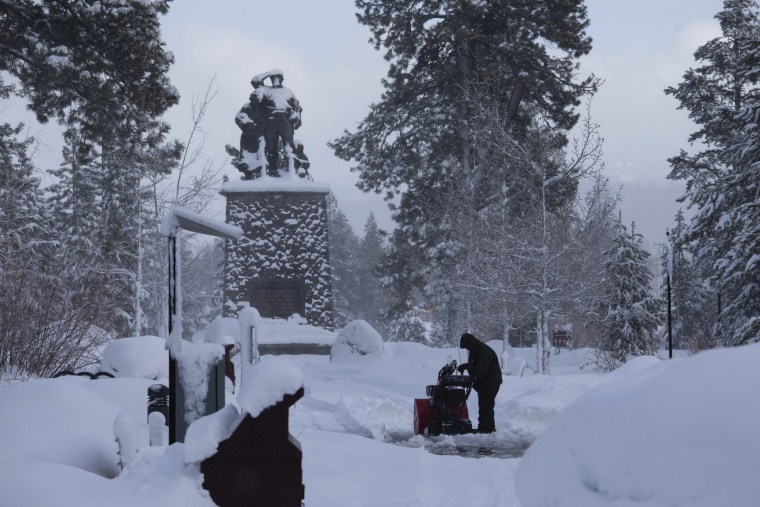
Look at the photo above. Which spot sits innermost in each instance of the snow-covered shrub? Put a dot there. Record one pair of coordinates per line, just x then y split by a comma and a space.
358, 338
223, 330
139, 356
43, 330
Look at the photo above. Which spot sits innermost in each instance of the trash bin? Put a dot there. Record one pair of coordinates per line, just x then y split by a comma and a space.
158, 400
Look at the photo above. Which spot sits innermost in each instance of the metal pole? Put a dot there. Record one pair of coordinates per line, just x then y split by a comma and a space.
669, 272
172, 362
670, 324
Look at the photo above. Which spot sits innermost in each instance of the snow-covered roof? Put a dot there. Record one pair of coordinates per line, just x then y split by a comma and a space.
192, 221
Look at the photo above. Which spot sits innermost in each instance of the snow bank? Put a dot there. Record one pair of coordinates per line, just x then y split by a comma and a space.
528, 414
167, 481
34, 443
59, 404
358, 338
682, 432
267, 383
138, 356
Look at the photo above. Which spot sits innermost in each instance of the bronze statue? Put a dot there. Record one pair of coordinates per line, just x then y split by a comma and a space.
249, 141
281, 114
268, 121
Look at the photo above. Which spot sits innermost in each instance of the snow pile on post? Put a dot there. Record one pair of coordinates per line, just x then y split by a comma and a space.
204, 435
138, 356
683, 432
128, 437
267, 384
200, 223
223, 330
194, 362
248, 320
358, 338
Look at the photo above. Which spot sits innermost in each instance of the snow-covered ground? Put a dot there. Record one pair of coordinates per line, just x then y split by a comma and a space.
654, 433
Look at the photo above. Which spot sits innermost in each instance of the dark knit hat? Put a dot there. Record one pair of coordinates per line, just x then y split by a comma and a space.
466, 341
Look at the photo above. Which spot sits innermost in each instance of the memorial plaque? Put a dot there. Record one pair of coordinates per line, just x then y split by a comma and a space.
278, 298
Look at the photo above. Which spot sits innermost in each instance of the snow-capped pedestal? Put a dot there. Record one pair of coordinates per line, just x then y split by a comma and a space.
281, 265
250, 458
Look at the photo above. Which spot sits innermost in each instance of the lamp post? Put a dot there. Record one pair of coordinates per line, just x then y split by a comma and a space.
180, 218
670, 313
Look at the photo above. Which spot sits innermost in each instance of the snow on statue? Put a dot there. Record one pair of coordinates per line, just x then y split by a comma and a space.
268, 121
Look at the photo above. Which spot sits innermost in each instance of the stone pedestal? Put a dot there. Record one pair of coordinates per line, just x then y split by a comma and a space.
281, 265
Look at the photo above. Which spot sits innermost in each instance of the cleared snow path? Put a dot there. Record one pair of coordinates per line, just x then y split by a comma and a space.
353, 471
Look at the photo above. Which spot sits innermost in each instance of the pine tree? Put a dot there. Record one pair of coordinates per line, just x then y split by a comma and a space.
100, 70
692, 317
418, 139
42, 328
25, 218
408, 326
722, 176
77, 61
344, 247
372, 297
631, 313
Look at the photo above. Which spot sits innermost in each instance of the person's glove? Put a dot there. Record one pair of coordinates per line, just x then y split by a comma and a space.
462, 367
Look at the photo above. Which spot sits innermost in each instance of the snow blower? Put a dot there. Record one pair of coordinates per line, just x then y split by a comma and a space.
444, 411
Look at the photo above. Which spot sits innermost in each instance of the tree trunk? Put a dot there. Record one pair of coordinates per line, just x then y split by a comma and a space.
506, 348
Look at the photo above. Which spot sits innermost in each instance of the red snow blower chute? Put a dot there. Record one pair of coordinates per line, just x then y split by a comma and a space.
444, 411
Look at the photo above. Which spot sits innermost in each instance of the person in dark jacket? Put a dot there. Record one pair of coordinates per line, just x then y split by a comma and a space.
483, 365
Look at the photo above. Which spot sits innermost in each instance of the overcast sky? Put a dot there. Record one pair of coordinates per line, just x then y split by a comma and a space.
640, 47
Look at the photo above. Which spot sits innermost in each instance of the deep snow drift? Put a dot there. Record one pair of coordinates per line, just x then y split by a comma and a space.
681, 432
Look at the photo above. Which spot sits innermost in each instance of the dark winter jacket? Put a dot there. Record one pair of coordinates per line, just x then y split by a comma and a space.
482, 363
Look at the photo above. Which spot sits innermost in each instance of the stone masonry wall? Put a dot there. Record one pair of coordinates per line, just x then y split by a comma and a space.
284, 238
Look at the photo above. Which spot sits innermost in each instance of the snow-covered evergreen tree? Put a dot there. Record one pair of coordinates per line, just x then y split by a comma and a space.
631, 312
25, 218
408, 326
42, 328
722, 176
693, 319
373, 298
344, 246
417, 143
102, 72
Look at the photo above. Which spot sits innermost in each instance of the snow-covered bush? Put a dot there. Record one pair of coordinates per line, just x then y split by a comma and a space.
358, 338
139, 356
42, 330
223, 330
